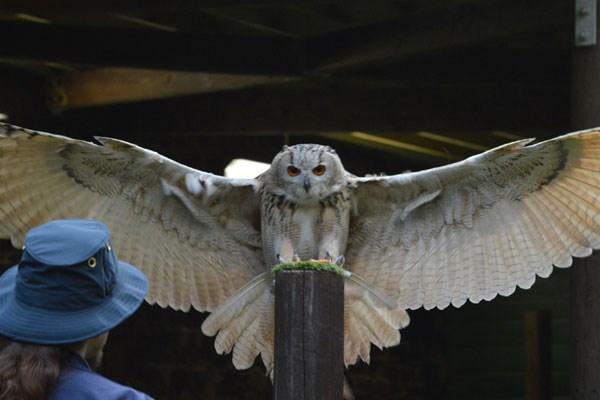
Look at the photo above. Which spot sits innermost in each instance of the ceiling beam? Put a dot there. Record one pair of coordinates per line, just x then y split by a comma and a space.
339, 106
144, 48
458, 27
59, 6
123, 85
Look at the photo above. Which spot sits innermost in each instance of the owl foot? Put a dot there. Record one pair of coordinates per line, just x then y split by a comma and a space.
338, 261
295, 259
329, 259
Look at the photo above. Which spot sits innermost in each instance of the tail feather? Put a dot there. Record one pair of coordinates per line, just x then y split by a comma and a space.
238, 324
370, 317
244, 324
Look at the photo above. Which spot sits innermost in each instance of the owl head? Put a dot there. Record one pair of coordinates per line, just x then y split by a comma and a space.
305, 173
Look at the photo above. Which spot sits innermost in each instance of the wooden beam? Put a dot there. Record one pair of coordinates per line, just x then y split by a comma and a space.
403, 145
458, 27
309, 335
335, 107
122, 85
147, 48
538, 343
585, 274
585, 325
22, 93
98, 6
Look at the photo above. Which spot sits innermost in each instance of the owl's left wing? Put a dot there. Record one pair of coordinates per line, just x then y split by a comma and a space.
480, 227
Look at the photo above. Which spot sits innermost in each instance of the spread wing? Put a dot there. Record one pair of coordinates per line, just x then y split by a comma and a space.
194, 234
480, 227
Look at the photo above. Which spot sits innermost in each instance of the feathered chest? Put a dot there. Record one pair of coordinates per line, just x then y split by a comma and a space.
290, 228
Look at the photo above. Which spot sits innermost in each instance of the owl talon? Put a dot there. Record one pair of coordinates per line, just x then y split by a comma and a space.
338, 261
328, 257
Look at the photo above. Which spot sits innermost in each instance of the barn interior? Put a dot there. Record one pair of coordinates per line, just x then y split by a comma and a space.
392, 85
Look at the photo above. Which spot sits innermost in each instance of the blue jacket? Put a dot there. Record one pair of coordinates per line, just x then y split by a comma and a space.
78, 382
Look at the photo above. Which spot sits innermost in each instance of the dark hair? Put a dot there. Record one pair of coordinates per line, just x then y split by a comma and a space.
28, 371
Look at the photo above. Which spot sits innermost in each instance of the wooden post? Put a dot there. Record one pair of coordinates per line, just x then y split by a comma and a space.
538, 338
585, 275
309, 335
585, 328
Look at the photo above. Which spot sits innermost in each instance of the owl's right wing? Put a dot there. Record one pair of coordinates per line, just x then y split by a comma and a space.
480, 227
196, 235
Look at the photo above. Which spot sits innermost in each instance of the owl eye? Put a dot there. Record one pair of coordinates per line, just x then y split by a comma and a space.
319, 170
292, 171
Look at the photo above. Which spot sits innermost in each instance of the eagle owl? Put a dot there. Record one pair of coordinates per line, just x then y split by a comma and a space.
466, 231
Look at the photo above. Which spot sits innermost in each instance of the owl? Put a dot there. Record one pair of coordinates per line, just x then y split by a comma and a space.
305, 203
463, 232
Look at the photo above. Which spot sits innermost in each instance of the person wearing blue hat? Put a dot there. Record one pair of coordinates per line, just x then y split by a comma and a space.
56, 308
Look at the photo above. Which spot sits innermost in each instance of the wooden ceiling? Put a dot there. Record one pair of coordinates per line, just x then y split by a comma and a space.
431, 80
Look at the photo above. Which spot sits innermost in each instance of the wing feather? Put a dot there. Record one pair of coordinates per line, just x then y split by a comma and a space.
459, 266
481, 227
559, 250
194, 234
587, 235
498, 272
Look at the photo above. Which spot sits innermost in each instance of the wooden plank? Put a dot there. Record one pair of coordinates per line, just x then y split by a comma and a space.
538, 339
309, 335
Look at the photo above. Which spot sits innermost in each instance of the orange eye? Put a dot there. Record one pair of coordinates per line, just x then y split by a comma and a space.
319, 170
293, 171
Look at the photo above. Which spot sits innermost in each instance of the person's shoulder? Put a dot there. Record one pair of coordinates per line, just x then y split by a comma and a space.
90, 385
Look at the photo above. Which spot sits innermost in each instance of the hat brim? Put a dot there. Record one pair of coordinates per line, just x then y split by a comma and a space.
25, 323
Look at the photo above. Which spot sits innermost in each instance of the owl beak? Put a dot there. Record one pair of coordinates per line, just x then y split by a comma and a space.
307, 184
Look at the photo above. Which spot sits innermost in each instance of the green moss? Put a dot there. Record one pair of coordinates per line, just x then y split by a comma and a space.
309, 265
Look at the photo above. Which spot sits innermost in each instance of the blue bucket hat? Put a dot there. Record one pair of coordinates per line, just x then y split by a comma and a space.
68, 286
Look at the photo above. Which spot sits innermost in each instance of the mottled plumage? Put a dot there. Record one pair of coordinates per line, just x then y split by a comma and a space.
466, 231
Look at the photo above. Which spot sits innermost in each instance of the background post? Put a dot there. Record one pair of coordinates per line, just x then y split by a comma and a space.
585, 274
309, 335
538, 344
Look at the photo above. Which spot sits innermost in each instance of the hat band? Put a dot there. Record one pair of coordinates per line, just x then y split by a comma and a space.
65, 301
59, 290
